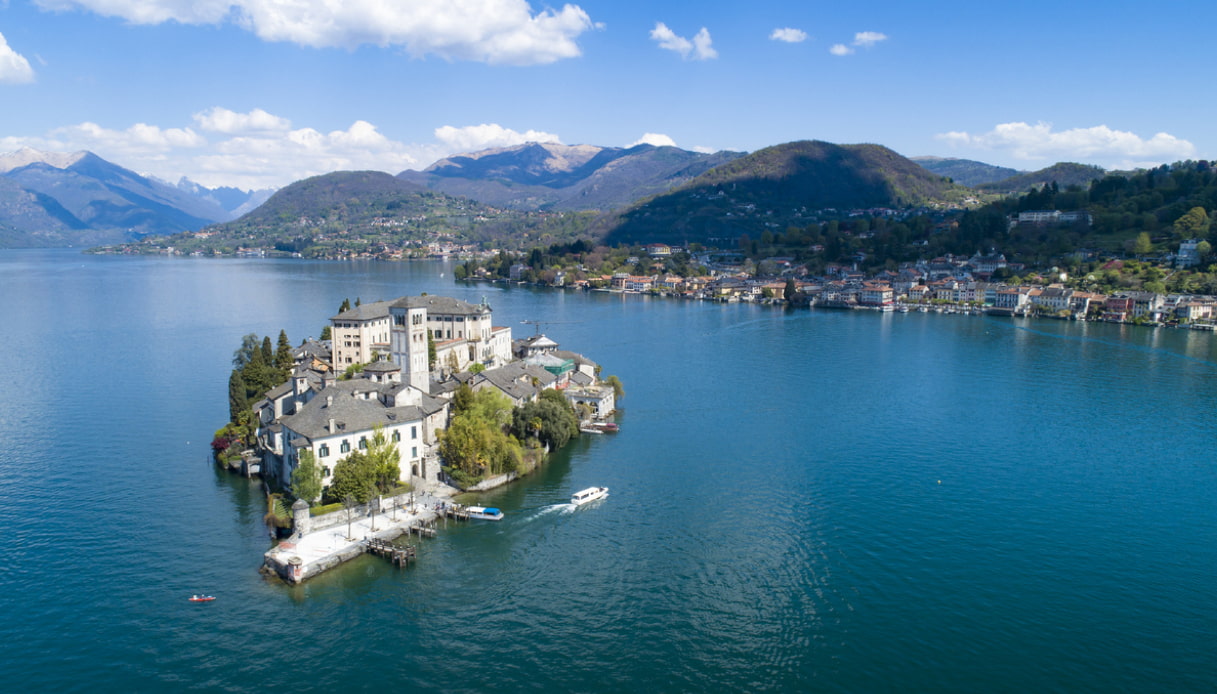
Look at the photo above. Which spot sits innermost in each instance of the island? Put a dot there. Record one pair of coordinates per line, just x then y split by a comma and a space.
368, 433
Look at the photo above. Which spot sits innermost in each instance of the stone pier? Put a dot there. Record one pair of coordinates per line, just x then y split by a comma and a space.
322, 542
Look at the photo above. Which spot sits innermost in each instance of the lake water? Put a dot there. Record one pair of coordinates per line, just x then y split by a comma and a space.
801, 501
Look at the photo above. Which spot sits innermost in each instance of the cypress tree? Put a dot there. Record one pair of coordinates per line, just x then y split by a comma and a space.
238, 402
268, 351
283, 355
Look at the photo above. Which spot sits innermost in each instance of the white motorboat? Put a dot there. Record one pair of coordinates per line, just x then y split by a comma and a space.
484, 513
588, 495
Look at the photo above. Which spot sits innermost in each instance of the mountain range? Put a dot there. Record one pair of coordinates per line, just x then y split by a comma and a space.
634, 193
59, 199
551, 176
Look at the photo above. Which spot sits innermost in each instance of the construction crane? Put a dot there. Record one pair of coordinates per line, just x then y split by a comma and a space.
539, 323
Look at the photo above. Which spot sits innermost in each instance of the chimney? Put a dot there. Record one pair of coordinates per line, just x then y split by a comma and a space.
332, 429
329, 401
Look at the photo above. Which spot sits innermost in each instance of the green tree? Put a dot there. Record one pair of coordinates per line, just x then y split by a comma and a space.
385, 458
268, 352
476, 443
283, 353
249, 345
462, 399
238, 401
306, 479
1193, 223
1204, 249
430, 351
354, 475
550, 419
326, 333
615, 383
259, 377
1143, 245
346, 306
791, 291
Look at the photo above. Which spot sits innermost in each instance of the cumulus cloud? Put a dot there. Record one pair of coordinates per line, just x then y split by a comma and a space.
472, 138
700, 48
491, 31
1114, 148
866, 39
862, 39
257, 149
222, 120
789, 35
14, 68
655, 139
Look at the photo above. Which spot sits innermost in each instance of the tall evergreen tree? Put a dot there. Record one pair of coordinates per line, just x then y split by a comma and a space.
238, 402
268, 351
283, 354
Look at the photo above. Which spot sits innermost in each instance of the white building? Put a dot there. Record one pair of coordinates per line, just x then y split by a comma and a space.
343, 417
358, 332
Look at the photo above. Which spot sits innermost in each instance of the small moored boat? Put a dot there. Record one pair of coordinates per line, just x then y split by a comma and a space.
485, 513
202, 598
588, 495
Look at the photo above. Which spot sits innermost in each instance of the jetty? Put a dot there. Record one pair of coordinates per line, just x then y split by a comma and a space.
323, 542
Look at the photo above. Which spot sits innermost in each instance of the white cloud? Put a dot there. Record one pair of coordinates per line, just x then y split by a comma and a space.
668, 40
862, 39
473, 138
221, 120
789, 35
262, 150
1098, 144
14, 68
866, 39
702, 50
699, 48
655, 139
491, 31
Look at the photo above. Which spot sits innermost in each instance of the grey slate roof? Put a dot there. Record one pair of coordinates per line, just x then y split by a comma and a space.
382, 366
362, 312
351, 414
516, 379
441, 305
314, 348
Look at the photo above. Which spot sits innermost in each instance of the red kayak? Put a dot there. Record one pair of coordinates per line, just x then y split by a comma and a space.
202, 598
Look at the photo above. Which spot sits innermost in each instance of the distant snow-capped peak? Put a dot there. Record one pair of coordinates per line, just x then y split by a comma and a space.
27, 155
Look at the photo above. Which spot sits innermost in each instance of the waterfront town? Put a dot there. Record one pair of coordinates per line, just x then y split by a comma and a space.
389, 377
944, 284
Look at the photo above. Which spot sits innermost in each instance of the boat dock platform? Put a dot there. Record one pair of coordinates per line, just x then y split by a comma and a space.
326, 541
398, 554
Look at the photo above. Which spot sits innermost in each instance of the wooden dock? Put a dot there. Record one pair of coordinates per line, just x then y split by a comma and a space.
400, 556
455, 512
422, 530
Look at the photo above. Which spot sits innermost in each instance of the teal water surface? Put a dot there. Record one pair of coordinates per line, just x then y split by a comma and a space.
801, 501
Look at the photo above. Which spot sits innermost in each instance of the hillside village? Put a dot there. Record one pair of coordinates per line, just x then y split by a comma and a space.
410, 356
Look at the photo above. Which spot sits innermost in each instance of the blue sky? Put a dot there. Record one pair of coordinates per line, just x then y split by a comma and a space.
259, 93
